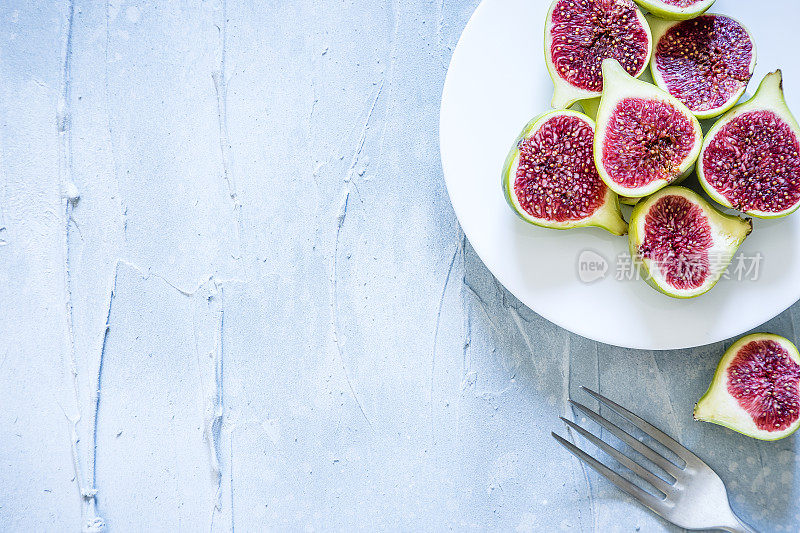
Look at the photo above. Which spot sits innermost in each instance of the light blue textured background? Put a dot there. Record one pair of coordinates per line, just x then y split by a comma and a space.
261, 310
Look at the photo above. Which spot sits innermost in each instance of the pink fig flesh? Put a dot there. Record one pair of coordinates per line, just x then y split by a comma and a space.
677, 238
705, 62
556, 178
585, 32
754, 163
764, 380
646, 140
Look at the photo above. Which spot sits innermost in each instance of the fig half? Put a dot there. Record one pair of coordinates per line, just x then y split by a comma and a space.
750, 158
755, 388
705, 62
646, 139
676, 9
549, 178
681, 243
579, 34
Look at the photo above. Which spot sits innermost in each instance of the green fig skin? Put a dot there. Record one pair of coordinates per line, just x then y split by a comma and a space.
711, 407
728, 225
633, 200
590, 106
626, 200
665, 11
769, 97
608, 216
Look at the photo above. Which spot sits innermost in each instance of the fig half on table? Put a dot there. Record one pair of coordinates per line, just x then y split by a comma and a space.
755, 388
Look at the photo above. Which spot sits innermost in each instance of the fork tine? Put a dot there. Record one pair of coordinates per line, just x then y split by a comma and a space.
654, 457
623, 459
647, 499
667, 441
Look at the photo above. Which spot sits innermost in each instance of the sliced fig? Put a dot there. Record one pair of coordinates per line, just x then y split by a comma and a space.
579, 34
676, 9
549, 177
705, 62
751, 157
681, 242
755, 389
646, 139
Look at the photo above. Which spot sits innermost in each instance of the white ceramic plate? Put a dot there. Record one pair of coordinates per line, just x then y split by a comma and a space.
497, 81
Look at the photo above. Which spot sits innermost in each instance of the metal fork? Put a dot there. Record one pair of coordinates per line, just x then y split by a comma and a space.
695, 498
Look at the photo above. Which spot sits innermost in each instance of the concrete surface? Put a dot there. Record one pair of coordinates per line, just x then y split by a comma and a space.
234, 293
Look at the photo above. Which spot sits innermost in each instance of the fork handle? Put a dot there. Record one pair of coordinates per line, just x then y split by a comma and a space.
739, 527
